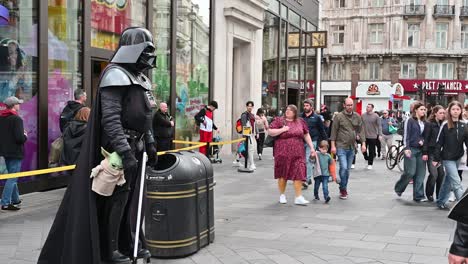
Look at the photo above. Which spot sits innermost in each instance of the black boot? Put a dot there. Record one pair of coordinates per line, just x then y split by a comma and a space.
109, 225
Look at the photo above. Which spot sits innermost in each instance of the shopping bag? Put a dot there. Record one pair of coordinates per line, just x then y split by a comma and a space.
56, 151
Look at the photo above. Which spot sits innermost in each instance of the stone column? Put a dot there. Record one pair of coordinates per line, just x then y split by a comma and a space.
395, 69
461, 75
355, 74
421, 68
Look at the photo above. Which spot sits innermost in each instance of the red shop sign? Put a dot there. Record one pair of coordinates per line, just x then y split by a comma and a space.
453, 86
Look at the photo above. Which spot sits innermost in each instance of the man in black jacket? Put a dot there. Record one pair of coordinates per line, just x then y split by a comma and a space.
72, 107
90, 228
12, 139
317, 134
163, 127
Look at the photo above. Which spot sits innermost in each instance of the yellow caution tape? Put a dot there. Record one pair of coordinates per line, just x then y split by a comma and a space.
36, 172
72, 167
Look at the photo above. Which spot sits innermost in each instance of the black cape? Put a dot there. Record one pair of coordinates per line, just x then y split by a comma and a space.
74, 236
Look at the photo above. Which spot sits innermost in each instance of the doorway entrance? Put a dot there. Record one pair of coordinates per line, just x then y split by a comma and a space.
293, 96
97, 66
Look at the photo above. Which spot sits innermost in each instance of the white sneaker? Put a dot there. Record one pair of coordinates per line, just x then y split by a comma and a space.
253, 167
452, 197
235, 163
369, 167
352, 166
301, 201
282, 199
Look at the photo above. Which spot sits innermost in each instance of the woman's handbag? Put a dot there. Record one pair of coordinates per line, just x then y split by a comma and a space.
392, 129
270, 141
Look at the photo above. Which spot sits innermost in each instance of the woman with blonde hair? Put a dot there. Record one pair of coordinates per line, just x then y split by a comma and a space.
291, 133
449, 150
73, 137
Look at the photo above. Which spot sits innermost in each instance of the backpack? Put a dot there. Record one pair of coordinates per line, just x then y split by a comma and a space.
401, 128
239, 126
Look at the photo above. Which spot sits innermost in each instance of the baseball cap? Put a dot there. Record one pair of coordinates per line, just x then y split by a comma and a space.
12, 100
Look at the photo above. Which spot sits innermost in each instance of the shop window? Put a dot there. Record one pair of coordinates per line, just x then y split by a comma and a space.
374, 70
377, 3
65, 53
110, 18
18, 67
334, 102
413, 35
376, 33
192, 63
440, 71
357, 3
464, 36
337, 71
340, 3
338, 34
162, 39
441, 35
408, 71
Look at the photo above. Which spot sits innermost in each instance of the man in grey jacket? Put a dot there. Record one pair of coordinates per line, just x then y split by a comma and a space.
373, 130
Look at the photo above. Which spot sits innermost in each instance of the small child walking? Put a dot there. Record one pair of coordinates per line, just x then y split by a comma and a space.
324, 168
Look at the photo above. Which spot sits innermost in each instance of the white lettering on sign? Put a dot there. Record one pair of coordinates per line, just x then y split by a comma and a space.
433, 85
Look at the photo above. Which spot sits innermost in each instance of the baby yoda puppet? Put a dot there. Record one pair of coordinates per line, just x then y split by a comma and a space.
108, 174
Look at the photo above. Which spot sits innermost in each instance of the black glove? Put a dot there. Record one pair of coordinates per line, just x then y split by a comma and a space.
152, 155
129, 162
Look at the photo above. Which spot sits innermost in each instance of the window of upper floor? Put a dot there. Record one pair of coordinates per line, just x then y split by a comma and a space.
441, 35
337, 70
339, 3
376, 32
338, 34
373, 69
413, 35
377, 3
408, 70
464, 36
440, 71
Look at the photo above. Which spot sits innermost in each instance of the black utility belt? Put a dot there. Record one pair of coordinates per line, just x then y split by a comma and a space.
133, 134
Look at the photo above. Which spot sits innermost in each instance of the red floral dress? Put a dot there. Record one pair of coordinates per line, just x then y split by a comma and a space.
289, 153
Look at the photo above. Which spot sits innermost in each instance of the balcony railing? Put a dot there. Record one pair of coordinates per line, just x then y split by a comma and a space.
444, 10
464, 11
415, 10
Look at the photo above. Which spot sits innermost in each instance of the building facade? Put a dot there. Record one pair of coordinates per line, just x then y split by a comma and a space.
417, 44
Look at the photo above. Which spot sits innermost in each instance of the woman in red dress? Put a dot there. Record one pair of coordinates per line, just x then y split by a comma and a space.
290, 163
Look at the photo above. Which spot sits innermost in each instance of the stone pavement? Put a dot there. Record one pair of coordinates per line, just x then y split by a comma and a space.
372, 226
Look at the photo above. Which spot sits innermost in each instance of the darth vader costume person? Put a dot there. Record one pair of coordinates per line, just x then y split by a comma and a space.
94, 229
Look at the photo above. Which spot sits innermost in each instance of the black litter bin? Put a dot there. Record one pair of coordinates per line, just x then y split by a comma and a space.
179, 217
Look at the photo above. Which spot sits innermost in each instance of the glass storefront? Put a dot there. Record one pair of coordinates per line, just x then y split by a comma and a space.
19, 67
65, 65
78, 50
162, 39
192, 65
270, 65
110, 17
291, 61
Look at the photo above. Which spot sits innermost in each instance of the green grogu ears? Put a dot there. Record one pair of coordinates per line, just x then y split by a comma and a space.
105, 153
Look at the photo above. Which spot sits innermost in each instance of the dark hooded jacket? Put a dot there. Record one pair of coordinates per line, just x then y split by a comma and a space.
72, 141
12, 136
68, 113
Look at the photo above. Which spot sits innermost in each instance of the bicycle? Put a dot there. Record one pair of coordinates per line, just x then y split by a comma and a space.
395, 156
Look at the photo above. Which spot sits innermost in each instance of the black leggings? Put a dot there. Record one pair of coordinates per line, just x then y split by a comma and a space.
260, 142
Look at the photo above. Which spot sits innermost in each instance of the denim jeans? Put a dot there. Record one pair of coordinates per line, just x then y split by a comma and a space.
414, 168
451, 182
345, 158
10, 190
309, 163
324, 181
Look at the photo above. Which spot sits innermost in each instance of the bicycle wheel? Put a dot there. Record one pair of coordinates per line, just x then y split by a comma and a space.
400, 161
391, 157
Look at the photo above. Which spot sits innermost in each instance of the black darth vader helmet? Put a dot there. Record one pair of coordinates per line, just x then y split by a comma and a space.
136, 49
